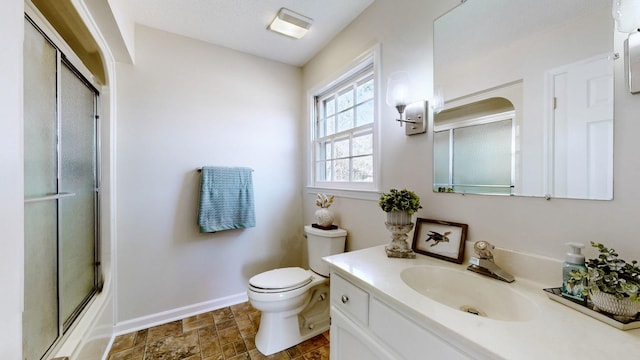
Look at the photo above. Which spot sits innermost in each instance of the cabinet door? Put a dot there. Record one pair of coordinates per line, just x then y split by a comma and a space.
406, 337
349, 341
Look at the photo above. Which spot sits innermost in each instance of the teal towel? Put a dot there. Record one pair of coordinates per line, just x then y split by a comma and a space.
226, 199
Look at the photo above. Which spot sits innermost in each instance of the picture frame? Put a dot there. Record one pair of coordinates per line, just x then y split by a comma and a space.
444, 240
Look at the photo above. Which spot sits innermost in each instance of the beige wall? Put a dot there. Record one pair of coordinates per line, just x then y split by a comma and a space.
533, 225
183, 105
11, 180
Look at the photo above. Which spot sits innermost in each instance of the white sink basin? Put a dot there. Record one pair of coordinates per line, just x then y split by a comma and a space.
469, 292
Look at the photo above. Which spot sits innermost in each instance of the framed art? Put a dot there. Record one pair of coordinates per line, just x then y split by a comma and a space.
441, 239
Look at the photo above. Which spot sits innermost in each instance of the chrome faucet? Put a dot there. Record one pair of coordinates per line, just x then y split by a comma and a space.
484, 264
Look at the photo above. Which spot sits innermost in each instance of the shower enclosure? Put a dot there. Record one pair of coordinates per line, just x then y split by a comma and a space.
62, 263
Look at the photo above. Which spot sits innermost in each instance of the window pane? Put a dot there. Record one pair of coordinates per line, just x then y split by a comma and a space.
322, 171
363, 169
362, 145
331, 125
341, 148
325, 151
364, 91
321, 128
342, 170
345, 120
364, 113
345, 100
329, 107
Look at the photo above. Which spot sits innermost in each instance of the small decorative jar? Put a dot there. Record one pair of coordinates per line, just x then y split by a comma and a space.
324, 217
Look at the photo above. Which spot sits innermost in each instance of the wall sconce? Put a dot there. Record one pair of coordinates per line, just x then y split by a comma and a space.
290, 24
414, 114
627, 16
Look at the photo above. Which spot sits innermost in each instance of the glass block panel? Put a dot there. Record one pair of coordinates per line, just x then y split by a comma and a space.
362, 145
345, 120
363, 169
341, 170
364, 91
364, 113
345, 100
341, 148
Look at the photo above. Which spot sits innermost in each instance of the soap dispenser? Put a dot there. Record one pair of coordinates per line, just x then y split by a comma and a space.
574, 261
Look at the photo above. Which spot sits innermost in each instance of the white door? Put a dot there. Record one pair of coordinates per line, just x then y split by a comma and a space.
583, 130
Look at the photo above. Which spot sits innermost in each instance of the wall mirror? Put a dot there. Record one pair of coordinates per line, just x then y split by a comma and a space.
528, 98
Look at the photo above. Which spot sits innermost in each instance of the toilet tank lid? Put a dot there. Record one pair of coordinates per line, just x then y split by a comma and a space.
327, 233
281, 278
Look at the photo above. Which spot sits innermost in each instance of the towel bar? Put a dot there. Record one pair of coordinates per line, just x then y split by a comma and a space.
200, 170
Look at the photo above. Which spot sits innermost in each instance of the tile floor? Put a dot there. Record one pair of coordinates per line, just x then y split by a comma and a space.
222, 334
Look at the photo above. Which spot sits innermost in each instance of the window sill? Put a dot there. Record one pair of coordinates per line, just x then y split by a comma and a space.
372, 195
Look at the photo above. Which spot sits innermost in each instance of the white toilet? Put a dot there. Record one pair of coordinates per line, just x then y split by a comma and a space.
295, 302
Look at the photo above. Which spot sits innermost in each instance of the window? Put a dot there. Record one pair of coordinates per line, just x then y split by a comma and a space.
344, 131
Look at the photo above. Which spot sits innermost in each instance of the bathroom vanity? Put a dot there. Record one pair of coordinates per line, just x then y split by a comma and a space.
425, 308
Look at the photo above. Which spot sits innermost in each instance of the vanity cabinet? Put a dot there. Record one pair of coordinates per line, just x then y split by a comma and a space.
363, 326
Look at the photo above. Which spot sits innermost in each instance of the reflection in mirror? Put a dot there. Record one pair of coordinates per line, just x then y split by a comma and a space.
528, 90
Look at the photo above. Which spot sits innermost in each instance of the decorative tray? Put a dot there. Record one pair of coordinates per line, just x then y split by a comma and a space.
622, 323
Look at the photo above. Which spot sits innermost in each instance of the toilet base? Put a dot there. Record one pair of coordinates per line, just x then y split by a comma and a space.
280, 331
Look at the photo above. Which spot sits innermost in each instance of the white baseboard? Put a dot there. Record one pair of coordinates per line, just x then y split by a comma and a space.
148, 321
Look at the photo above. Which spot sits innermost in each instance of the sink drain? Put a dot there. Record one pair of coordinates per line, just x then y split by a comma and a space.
472, 310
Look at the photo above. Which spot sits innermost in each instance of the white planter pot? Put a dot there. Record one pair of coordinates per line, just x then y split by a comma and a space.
612, 305
398, 218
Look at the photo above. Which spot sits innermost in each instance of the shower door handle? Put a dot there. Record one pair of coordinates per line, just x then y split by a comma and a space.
50, 197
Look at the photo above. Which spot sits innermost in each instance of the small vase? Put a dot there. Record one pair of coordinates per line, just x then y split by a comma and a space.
613, 305
324, 217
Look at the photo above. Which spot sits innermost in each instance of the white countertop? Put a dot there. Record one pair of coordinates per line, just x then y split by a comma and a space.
555, 332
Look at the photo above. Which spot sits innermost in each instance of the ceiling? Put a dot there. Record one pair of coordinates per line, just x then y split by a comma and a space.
242, 24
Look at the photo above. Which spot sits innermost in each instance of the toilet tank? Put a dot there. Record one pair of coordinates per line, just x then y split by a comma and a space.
321, 243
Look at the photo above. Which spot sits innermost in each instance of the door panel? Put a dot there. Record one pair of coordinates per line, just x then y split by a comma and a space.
40, 316
77, 214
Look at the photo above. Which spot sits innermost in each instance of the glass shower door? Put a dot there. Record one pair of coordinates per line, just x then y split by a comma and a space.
61, 194
40, 318
77, 215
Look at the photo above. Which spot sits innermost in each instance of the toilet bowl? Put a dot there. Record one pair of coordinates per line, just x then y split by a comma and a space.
294, 302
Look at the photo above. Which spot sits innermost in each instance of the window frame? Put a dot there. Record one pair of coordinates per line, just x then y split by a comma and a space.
351, 72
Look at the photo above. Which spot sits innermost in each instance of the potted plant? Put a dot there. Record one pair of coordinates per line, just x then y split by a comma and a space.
613, 285
399, 206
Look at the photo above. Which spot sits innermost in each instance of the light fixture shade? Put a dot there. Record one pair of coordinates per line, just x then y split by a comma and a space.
627, 15
398, 88
290, 23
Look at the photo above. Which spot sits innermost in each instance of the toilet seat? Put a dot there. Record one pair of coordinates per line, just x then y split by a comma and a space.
280, 280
